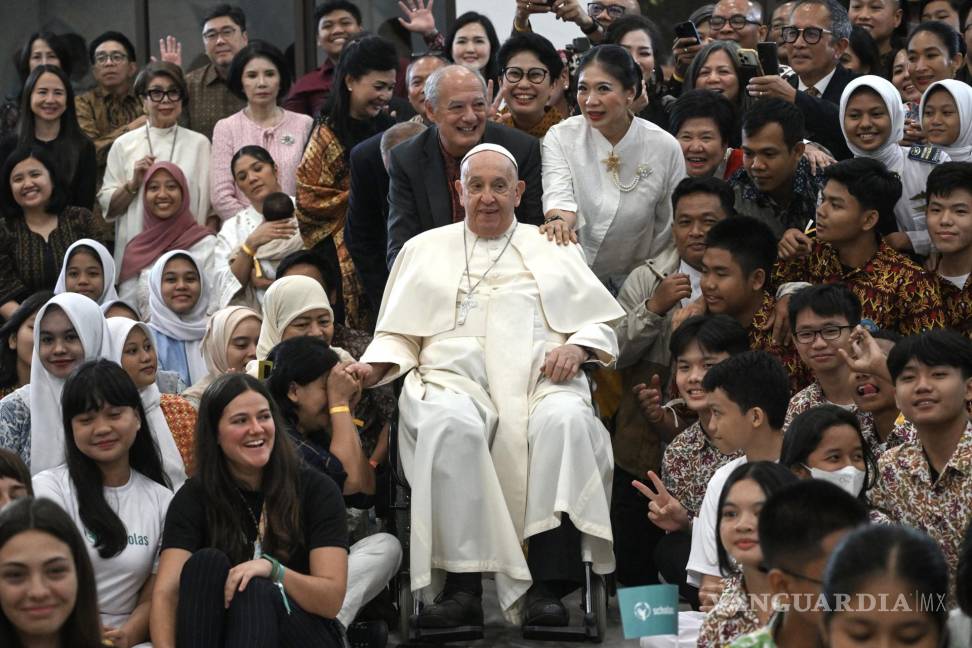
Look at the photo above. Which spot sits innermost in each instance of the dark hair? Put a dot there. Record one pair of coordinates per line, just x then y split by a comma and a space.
872, 186
55, 42
617, 62
775, 111
491, 71
8, 356
801, 506
224, 519
750, 242
233, 12
840, 23
826, 300
880, 550
866, 49
948, 36
90, 387
329, 271
704, 104
360, 56
299, 360
254, 50
934, 348
278, 206
70, 140
963, 577
117, 37
536, 44
166, 69
770, 476
628, 23
253, 151
13, 467
82, 628
807, 430
713, 333
336, 5
753, 379
731, 48
58, 200
706, 185
948, 177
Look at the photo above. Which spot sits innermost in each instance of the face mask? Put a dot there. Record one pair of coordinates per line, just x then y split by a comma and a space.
849, 478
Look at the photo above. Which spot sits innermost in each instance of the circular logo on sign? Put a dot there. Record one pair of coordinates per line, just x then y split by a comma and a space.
642, 610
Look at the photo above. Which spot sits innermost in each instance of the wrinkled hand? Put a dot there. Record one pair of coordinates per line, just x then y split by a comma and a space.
671, 290
650, 399
563, 363
418, 16
684, 50
269, 231
342, 385
241, 575
117, 636
170, 51
865, 355
690, 310
363, 372
771, 85
779, 322
526, 8
561, 231
794, 244
138, 172
664, 511
817, 157
899, 241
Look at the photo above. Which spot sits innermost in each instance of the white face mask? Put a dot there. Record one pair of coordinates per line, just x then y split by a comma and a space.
849, 478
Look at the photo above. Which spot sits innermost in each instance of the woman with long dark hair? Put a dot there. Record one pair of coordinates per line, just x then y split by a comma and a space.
114, 489
17, 343
43, 561
472, 43
40, 48
255, 545
363, 86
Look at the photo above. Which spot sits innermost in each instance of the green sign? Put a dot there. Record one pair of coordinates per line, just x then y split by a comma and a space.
649, 610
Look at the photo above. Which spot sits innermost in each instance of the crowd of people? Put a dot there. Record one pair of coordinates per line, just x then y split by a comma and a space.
696, 313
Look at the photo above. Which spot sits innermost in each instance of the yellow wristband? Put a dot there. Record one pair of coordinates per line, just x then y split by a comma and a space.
338, 409
247, 250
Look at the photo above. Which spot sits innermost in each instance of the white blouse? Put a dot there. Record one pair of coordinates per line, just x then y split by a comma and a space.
617, 229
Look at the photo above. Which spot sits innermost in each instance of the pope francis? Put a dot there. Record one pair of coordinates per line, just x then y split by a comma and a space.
490, 323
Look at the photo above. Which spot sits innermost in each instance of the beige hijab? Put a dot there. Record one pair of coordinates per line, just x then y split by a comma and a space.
219, 332
286, 300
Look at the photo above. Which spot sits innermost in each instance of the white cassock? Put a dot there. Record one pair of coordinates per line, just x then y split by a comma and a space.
493, 451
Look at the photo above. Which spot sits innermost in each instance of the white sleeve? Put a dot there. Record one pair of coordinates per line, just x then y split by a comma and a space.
47, 485
558, 187
704, 557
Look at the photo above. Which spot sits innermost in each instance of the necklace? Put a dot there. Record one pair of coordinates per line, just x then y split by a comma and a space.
175, 138
468, 303
259, 526
613, 163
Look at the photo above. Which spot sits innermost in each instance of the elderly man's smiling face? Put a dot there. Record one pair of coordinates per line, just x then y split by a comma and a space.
490, 191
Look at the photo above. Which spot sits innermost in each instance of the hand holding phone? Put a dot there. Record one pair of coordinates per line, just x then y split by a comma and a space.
769, 59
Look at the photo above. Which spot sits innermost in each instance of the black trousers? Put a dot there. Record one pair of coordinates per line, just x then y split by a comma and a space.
255, 619
671, 556
635, 536
554, 558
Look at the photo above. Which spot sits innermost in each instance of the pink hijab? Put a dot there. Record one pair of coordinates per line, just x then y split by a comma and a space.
158, 236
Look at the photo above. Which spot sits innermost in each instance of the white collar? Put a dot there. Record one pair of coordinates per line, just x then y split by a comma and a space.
820, 85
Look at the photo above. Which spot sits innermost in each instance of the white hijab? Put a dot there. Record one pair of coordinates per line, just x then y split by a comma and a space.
46, 424
107, 269
189, 328
119, 328
286, 300
961, 149
890, 152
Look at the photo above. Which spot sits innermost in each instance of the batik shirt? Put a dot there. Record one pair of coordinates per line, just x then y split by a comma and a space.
761, 339
750, 201
730, 618
957, 304
813, 396
688, 464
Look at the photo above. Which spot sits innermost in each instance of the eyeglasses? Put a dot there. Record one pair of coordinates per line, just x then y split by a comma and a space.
811, 35
596, 8
534, 75
737, 22
115, 57
807, 336
764, 568
225, 33
158, 95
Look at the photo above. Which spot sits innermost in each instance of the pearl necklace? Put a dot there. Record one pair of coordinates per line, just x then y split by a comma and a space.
613, 163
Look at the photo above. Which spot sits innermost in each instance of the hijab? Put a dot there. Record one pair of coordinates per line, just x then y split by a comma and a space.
119, 328
286, 300
890, 152
160, 235
44, 393
107, 269
188, 329
961, 149
106, 306
219, 332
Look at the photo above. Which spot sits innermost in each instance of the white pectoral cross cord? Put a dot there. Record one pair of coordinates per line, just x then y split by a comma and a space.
468, 303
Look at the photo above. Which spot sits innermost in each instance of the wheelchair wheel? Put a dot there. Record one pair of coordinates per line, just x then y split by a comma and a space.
406, 604
599, 603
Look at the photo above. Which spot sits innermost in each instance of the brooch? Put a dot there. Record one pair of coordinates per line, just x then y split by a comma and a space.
287, 139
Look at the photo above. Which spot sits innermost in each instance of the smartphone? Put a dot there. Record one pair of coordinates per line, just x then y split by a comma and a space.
748, 66
687, 30
769, 59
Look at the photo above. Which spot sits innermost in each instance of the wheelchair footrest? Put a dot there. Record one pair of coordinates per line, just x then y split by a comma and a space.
442, 635
561, 633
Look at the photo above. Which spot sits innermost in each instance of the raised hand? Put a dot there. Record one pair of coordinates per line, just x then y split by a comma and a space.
865, 355
418, 16
650, 399
664, 511
671, 290
170, 51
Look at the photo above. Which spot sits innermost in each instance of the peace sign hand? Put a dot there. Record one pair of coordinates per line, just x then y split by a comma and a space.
664, 511
420, 18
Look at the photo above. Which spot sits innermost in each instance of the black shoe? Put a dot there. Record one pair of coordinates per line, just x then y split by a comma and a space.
452, 609
544, 609
368, 634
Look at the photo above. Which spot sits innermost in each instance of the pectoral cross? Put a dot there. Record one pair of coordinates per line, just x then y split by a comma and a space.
466, 305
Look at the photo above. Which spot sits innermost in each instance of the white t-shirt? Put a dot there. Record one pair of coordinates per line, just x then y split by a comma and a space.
140, 505
704, 558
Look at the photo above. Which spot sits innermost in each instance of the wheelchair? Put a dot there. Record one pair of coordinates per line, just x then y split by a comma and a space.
594, 592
